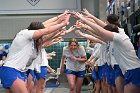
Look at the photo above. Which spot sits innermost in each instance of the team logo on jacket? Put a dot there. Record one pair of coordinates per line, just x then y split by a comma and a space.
33, 2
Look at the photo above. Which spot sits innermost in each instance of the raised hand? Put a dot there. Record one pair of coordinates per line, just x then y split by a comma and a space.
64, 18
85, 12
70, 29
78, 15
58, 39
65, 12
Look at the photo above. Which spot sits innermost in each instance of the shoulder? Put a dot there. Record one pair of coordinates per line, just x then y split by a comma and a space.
81, 48
121, 30
23, 31
117, 35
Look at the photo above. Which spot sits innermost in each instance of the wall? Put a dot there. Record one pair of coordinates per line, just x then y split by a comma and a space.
38, 6
14, 18
92, 6
11, 24
102, 8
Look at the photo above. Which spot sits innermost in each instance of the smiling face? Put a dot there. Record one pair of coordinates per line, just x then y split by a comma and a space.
73, 44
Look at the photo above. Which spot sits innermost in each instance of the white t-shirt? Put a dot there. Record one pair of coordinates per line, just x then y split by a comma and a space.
41, 60
124, 53
35, 64
44, 58
89, 50
96, 54
21, 50
103, 58
75, 66
111, 58
121, 31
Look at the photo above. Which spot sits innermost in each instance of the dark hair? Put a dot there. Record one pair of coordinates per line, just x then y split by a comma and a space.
73, 40
35, 26
112, 28
113, 19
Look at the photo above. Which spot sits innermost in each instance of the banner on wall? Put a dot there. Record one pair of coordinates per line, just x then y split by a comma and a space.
110, 4
38, 6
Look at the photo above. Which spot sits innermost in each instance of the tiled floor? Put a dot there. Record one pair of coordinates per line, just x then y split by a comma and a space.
62, 88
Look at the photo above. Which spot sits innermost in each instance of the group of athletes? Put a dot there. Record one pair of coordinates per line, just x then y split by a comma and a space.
116, 65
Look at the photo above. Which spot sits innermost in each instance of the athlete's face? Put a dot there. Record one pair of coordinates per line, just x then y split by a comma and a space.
73, 46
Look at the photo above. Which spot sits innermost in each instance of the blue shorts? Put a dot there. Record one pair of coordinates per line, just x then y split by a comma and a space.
32, 72
111, 76
133, 76
79, 74
105, 70
43, 73
9, 75
118, 71
97, 75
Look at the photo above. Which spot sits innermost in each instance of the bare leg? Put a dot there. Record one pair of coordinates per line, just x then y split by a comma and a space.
114, 89
79, 82
130, 88
40, 85
98, 86
109, 89
18, 86
104, 85
71, 80
119, 84
30, 83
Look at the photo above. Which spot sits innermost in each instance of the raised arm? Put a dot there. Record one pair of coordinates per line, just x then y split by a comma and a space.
52, 42
39, 33
105, 34
88, 29
54, 19
52, 36
98, 21
90, 37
